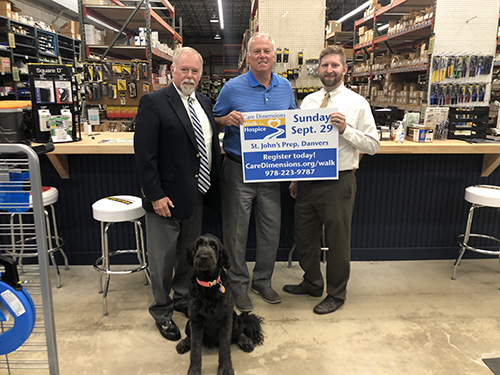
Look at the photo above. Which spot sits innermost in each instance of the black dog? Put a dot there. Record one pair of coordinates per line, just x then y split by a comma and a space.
212, 319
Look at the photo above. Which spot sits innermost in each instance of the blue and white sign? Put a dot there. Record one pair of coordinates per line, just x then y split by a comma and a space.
289, 145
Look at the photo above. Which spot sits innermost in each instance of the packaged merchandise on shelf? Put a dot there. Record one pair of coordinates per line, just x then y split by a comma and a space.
419, 133
63, 92
8, 9
117, 84
468, 122
5, 64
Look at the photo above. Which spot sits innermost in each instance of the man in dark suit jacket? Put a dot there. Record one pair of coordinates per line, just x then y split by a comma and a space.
171, 162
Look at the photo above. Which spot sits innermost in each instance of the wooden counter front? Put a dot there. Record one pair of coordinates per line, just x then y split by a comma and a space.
121, 143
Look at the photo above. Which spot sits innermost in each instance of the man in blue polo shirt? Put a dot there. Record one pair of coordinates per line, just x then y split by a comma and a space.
258, 90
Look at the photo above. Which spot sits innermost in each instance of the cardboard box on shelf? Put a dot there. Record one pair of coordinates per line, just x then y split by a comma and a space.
349, 53
70, 27
362, 30
6, 13
334, 26
5, 64
9, 5
109, 36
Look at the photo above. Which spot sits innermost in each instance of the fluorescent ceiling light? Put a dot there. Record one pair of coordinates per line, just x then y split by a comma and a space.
100, 23
355, 11
382, 28
221, 15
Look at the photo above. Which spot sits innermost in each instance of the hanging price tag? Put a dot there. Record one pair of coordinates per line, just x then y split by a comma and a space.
15, 73
12, 40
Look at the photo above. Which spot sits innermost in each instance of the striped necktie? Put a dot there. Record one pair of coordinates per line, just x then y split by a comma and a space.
204, 173
324, 103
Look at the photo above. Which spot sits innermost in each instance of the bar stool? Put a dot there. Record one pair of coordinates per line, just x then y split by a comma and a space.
111, 210
479, 196
50, 196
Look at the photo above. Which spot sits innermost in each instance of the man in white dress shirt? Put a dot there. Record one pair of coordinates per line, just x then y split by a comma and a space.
330, 202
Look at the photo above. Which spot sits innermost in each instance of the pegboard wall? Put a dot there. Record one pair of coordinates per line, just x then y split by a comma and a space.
465, 28
299, 26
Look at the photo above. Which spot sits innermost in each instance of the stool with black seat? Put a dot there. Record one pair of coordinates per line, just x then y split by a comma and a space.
119, 209
479, 196
50, 196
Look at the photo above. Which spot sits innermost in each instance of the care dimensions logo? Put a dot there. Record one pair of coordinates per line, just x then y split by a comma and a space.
265, 126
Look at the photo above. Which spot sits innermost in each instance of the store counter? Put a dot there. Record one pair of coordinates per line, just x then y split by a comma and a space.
122, 143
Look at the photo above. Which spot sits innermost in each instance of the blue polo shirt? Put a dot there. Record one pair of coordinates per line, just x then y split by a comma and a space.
245, 94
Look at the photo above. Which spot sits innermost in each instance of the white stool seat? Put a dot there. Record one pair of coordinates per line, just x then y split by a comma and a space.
484, 195
118, 208
50, 195
480, 196
109, 211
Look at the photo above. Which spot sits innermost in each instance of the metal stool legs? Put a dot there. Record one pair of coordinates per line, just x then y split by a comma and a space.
54, 242
463, 241
103, 265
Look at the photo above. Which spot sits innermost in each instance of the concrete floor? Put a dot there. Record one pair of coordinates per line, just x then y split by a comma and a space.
399, 318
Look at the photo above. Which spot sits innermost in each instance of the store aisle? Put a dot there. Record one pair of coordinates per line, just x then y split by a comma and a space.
400, 318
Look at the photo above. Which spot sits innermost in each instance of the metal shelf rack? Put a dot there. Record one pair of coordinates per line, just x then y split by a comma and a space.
20, 178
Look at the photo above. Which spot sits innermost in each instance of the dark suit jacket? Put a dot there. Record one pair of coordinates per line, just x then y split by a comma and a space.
166, 153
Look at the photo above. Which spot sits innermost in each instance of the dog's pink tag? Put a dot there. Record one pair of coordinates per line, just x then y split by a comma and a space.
222, 289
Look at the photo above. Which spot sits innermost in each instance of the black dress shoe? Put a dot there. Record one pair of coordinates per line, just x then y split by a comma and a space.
169, 330
182, 309
299, 289
328, 305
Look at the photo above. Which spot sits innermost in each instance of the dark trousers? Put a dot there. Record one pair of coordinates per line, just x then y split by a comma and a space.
329, 203
239, 201
167, 243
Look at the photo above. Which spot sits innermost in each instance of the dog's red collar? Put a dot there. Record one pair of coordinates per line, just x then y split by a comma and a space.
209, 284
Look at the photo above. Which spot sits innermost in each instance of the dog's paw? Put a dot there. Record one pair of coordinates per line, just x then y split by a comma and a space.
183, 346
225, 371
194, 371
245, 343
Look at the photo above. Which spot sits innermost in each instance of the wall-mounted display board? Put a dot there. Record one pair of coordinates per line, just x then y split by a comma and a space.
55, 102
119, 85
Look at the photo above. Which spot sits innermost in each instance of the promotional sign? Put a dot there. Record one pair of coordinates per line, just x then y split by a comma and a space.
289, 145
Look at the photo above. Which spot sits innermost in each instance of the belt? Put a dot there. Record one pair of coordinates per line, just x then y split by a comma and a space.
342, 173
233, 157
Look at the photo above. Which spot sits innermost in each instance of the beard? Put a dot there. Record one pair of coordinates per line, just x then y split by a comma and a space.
188, 86
331, 82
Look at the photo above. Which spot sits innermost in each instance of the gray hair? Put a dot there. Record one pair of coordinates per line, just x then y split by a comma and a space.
186, 50
256, 35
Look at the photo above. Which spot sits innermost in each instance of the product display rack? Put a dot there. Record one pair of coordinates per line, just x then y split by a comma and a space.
24, 44
38, 354
409, 38
129, 19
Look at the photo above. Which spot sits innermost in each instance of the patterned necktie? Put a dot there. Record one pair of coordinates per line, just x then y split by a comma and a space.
204, 173
324, 103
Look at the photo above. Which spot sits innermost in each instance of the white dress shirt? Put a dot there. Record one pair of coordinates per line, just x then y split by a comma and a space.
360, 133
204, 121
